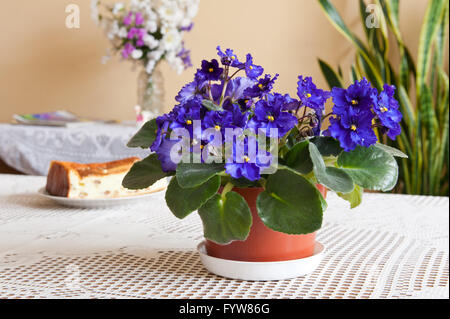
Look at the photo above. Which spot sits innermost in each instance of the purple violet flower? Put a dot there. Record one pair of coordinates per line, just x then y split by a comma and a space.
163, 123
262, 87
386, 108
269, 114
311, 96
253, 71
193, 90
352, 130
243, 163
211, 70
163, 153
228, 57
357, 98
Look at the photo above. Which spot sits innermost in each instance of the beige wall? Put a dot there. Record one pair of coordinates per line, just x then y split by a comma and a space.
45, 66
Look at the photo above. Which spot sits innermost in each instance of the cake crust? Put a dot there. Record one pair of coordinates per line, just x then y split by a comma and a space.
58, 179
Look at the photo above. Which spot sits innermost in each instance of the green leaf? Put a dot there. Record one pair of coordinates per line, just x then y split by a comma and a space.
331, 177
226, 219
194, 174
354, 197
183, 201
391, 150
243, 182
210, 105
333, 79
290, 204
406, 107
371, 168
428, 33
354, 76
298, 158
144, 173
145, 136
340, 25
372, 73
327, 145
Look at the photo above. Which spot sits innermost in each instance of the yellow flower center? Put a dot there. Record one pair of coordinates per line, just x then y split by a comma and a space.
211, 70
188, 122
270, 118
353, 127
246, 101
246, 159
202, 147
250, 67
233, 57
260, 86
384, 109
354, 102
308, 95
217, 128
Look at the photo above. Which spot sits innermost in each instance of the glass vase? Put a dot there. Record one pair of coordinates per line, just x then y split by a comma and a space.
150, 95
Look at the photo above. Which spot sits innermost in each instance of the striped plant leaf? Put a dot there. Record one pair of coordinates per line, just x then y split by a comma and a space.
427, 35
333, 79
424, 137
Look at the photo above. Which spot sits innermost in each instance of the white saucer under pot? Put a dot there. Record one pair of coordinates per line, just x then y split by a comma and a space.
274, 270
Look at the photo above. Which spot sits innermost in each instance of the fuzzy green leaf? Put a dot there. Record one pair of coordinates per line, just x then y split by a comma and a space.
372, 168
226, 218
290, 204
144, 173
145, 137
183, 201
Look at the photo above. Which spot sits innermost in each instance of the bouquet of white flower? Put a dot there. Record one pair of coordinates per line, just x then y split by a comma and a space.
148, 31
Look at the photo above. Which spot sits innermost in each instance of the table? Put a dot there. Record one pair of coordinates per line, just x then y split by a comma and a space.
392, 246
30, 149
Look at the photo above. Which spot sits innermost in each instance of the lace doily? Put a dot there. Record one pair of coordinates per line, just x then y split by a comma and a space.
30, 149
392, 246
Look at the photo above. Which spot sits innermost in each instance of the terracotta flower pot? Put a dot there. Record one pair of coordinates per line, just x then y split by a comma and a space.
263, 243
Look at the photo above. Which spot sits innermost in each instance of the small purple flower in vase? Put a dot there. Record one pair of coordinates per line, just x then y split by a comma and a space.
188, 27
185, 56
127, 50
128, 19
138, 19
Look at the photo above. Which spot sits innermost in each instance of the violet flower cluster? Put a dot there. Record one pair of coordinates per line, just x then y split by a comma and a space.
232, 93
358, 110
148, 31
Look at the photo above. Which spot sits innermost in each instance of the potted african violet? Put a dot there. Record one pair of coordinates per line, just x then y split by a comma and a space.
256, 164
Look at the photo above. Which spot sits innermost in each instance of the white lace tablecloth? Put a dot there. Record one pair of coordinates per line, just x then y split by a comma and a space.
392, 246
30, 149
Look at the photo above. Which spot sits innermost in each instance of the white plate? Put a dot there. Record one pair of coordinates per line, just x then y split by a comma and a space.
97, 203
273, 270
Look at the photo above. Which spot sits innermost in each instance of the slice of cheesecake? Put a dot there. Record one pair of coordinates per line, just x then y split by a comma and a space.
96, 180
